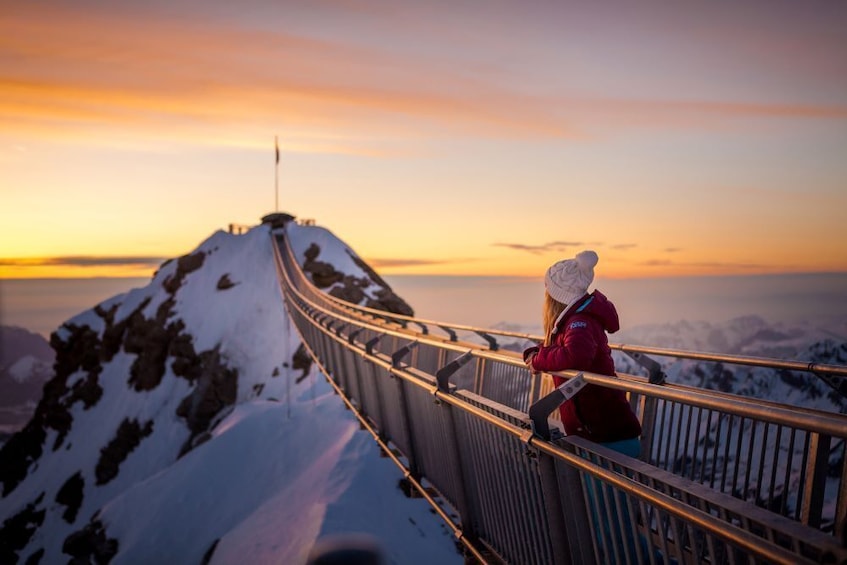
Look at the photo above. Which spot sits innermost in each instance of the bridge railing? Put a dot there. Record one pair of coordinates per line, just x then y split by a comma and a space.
341, 338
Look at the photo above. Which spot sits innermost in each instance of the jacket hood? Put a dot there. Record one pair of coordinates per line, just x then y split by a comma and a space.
598, 307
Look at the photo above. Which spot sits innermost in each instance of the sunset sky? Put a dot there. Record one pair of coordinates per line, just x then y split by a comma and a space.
449, 137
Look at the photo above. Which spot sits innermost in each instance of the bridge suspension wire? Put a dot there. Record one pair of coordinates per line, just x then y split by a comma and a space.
521, 498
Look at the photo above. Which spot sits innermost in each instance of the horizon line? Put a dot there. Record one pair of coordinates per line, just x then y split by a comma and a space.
472, 275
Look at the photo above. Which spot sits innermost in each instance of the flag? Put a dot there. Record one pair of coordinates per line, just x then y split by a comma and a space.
276, 146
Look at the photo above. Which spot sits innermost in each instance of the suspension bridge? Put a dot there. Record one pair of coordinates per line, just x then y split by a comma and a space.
721, 478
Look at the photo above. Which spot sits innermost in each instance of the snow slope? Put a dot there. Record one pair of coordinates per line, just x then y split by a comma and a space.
178, 430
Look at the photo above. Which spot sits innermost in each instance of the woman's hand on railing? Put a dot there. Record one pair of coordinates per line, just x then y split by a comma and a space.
529, 357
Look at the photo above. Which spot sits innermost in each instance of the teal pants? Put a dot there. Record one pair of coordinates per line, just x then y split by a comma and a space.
613, 525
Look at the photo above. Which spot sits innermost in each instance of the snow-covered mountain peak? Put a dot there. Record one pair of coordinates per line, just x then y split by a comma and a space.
179, 425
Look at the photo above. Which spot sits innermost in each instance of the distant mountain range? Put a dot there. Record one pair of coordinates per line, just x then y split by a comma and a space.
26, 363
750, 336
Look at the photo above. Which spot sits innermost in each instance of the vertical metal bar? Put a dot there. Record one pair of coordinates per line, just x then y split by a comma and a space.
804, 477
706, 441
576, 516
657, 446
591, 503
841, 498
381, 416
815, 486
774, 468
762, 462
535, 388
479, 378
520, 538
716, 442
689, 411
749, 459
737, 466
787, 478
407, 424
668, 457
553, 509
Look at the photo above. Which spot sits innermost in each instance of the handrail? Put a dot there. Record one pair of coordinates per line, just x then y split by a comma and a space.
766, 362
811, 420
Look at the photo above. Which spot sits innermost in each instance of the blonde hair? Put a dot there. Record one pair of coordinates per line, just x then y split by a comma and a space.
551, 310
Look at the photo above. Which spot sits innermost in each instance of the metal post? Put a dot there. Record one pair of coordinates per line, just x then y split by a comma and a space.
656, 376
813, 493
539, 413
276, 174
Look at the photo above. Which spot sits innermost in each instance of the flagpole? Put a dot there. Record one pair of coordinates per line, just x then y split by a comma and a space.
276, 174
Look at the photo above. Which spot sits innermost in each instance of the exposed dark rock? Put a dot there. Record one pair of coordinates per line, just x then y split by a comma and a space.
127, 438
90, 545
390, 302
224, 282
405, 485
150, 340
113, 334
35, 558
182, 346
185, 264
70, 496
277, 219
110, 341
367, 268
301, 360
164, 264
207, 557
275, 372
18, 530
312, 252
87, 390
216, 388
17, 454
80, 352
323, 274
351, 289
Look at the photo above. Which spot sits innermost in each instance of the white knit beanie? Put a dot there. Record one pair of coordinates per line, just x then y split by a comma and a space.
569, 279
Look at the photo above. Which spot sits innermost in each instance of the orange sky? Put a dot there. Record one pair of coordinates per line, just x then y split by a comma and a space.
456, 137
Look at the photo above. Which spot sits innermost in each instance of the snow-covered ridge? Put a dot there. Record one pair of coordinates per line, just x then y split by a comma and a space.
183, 426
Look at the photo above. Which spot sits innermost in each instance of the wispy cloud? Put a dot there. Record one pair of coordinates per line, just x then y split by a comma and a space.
81, 261
203, 74
624, 246
403, 262
543, 248
712, 266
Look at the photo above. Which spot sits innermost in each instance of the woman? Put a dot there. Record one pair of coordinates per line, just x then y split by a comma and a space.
575, 326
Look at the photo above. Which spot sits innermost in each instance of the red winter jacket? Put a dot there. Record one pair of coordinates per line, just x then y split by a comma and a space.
580, 343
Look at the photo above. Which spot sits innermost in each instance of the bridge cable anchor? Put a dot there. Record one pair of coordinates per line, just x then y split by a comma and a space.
442, 375
540, 411
655, 375
398, 355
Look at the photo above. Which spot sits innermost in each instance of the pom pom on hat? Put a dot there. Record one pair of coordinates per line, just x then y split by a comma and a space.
568, 280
